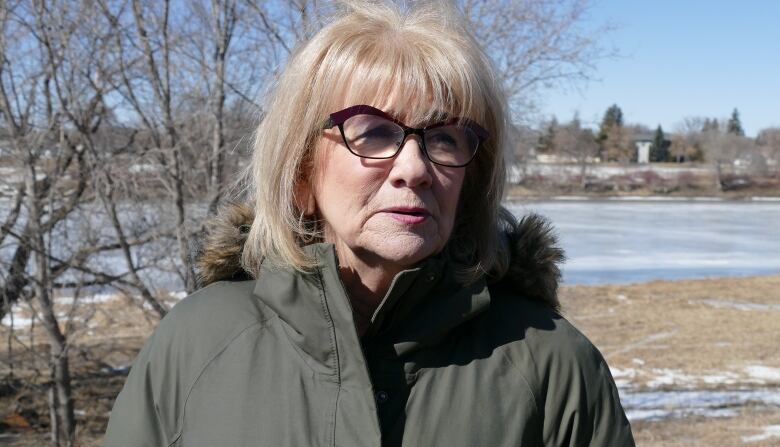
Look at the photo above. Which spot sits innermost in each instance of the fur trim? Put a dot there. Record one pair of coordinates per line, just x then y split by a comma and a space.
532, 271
534, 257
226, 234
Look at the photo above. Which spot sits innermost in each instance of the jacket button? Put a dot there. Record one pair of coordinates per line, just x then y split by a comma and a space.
382, 397
431, 277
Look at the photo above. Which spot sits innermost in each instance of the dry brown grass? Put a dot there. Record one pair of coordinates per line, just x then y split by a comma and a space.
691, 326
710, 432
104, 335
679, 325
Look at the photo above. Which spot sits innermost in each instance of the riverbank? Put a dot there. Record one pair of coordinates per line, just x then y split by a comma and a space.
574, 192
697, 361
541, 181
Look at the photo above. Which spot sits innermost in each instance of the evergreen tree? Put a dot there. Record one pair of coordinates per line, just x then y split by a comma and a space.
612, 139
710, 125
735, 126
613, 117
659, 149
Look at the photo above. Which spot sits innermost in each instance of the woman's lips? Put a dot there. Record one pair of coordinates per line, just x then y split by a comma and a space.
409, 216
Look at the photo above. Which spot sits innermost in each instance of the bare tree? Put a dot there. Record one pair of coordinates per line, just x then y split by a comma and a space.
768, 142
537, 44
579, 144
52, 103
699, 138
148, 83
30, 96
722, 150
688, 139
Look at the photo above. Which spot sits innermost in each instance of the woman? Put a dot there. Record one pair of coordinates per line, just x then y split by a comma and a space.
378, 294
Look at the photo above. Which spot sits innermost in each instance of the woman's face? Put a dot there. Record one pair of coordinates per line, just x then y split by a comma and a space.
387, 213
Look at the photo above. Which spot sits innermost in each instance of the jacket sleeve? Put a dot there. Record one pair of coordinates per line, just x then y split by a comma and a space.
582, 406
135, 420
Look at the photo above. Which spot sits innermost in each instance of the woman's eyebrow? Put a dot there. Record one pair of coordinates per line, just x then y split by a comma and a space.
395, 114
435, 117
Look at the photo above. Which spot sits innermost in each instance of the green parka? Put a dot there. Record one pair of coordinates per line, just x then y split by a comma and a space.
277, 361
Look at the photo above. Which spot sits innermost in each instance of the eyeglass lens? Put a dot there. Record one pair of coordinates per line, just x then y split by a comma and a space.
376, 137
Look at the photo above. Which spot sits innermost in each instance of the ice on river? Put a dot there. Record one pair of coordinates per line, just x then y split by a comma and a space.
608, 241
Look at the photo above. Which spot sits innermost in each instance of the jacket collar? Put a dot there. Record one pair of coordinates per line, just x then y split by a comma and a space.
421, 307
532, 273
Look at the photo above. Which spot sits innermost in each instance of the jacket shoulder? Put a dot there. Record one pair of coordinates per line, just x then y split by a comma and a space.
568, 376
216, 308
149, 409
541, 329
205, 322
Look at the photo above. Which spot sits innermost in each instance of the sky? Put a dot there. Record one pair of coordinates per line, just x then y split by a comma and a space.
681, 59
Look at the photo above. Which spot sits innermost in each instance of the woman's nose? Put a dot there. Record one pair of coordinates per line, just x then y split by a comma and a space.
411, 168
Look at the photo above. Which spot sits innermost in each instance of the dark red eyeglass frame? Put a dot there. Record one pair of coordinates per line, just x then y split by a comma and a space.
338, 119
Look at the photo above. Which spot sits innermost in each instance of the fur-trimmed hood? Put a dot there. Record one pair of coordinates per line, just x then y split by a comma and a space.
533, 270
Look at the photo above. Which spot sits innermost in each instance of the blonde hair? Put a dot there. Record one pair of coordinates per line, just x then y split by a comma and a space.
370, 51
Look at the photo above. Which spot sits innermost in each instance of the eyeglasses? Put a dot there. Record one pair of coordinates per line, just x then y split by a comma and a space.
371, 133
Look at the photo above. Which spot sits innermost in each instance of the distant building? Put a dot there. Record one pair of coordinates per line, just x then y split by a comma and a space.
643, 151
643, 142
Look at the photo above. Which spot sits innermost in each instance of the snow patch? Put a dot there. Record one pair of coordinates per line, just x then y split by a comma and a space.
667, 377
763, 372
727, 378
623, 377
656, 414
180, 295
18, 321
94, 298
627, 372
771, 431
646, 405
725, 304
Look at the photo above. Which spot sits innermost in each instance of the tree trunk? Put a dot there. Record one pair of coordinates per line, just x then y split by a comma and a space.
63, 421
63, 428
16, 278
583, 171
182, 233
718, 176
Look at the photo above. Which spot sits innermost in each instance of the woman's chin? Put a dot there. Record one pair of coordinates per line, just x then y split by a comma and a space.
403, 250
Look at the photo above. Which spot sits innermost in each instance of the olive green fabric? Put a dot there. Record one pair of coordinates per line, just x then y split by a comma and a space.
277, 362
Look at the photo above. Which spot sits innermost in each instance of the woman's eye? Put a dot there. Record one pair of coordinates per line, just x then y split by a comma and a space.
378, 133
441, 139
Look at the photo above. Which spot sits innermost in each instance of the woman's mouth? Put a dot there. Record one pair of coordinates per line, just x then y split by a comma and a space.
409, 216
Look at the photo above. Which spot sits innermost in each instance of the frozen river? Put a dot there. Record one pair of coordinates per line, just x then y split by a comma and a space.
615, 241
606, 241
